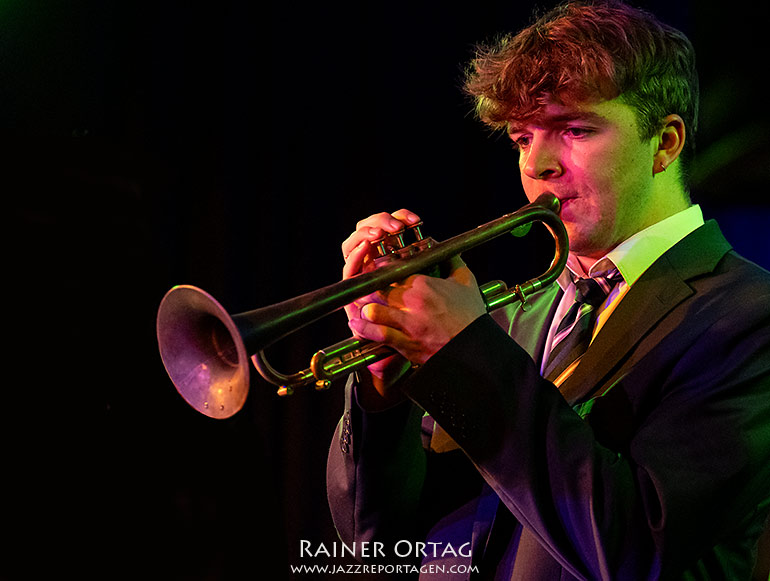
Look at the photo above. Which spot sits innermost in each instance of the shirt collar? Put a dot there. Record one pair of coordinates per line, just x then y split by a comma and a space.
636, 254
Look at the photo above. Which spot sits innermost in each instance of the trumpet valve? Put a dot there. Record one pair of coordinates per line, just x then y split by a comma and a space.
417, 231
389, 243
394, 242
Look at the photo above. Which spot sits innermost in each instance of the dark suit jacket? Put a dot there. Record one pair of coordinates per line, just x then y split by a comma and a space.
667, 475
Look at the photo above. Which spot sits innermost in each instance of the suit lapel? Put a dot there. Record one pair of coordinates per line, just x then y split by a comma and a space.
662, 287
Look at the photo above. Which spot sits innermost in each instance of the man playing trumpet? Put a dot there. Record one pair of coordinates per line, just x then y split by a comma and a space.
620, 427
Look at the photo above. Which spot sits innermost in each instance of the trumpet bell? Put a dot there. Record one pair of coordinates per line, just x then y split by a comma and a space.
202, 351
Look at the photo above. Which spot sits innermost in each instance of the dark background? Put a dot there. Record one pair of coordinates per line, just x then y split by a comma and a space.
232, 146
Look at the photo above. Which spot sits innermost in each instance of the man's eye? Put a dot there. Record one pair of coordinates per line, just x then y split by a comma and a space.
578, 131
521, 141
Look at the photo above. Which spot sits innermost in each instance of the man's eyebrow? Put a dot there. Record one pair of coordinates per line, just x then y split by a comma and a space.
515, 126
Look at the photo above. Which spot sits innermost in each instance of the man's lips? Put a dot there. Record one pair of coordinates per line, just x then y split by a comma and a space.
565, 200
567, 207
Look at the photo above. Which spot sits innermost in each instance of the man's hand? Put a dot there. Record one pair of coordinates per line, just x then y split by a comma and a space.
421, 314
415, 317
359, 254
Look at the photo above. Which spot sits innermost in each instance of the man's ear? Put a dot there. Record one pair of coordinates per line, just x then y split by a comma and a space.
670, 143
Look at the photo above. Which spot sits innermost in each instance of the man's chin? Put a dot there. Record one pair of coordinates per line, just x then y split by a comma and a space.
581, 245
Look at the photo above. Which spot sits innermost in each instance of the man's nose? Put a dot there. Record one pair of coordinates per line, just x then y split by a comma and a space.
542, 159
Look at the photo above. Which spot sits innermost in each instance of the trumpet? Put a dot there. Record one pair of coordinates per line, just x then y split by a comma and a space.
206, 351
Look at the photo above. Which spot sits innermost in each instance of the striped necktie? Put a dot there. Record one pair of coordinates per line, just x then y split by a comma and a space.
576, 328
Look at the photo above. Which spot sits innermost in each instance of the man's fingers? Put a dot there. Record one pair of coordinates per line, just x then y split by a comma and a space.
405, 216
367, 329
377, 225
354, 260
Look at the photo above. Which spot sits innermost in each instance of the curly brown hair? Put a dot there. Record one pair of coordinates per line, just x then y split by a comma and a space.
589, 51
